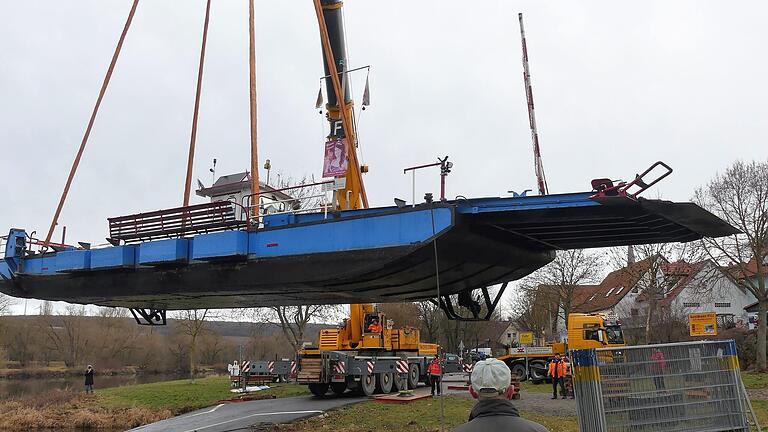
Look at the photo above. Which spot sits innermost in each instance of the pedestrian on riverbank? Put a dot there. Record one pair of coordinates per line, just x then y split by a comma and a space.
493, 389
89, 380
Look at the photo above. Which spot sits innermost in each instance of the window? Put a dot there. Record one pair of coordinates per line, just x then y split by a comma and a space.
609, 292
723, 305
618, 291
592, 335
592, 298
691, 304
614, 334
726, 321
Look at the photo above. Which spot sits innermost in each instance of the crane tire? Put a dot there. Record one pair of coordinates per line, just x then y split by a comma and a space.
384, 382
413, 376
519, 370
367, 385
319, 389
338, 387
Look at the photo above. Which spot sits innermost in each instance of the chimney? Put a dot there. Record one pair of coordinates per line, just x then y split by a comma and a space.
630, 255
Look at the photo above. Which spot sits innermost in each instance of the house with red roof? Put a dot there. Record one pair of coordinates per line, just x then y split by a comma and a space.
683, 288
705, 287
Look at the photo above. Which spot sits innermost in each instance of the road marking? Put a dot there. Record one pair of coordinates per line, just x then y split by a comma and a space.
252, 415
182, 417
207, 412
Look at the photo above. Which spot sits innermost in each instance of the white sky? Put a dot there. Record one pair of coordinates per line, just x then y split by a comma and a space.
617, 86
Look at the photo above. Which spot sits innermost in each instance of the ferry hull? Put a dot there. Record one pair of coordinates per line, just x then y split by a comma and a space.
374, 255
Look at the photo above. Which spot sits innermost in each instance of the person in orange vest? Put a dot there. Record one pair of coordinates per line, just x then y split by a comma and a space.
568, 378
556, 370
435, 375
374, 326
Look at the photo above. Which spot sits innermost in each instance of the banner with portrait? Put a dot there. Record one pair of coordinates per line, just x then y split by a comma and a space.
335, 160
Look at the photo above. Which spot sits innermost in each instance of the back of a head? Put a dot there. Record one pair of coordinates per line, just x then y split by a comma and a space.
490, 378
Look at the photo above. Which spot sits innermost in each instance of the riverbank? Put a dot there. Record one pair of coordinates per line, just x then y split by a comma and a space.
123, 407
61, 371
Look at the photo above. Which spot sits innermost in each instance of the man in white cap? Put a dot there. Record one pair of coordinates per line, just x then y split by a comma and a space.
494, 412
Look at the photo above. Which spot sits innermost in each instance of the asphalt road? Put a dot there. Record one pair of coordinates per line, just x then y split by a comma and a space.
242, 415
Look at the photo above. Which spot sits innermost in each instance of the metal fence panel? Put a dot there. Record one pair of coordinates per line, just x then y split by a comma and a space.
685, 387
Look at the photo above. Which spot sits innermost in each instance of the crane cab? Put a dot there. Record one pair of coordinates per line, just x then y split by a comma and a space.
374, 331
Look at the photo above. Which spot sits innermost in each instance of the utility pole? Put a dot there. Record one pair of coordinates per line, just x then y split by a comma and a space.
541, 180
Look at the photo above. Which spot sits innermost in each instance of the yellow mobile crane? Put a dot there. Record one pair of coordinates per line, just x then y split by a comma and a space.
367, 355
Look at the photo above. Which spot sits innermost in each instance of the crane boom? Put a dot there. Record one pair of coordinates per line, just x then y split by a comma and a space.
541, 180
339, 107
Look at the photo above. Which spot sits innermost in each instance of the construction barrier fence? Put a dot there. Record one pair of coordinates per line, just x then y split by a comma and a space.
683, 387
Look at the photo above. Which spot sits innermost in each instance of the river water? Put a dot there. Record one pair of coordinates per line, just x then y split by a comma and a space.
10, 388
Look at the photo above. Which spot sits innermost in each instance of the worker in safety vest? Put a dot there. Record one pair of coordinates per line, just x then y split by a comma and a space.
435, 370
374, 326
568, 378
556, 370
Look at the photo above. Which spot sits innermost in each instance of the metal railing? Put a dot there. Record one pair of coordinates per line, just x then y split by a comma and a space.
685, 387
289, 205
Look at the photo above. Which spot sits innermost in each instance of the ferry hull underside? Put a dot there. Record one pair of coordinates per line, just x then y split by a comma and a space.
386, 275
381, 255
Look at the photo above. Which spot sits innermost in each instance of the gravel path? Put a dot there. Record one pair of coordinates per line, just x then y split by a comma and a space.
541, 403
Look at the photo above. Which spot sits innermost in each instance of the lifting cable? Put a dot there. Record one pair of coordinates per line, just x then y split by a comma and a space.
439, 302
255, 200
193, 137
103, 90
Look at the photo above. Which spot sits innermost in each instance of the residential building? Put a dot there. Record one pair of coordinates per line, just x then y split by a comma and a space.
704, 287
681, 288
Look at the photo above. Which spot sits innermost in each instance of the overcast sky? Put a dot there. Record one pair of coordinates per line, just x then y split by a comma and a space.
617, 86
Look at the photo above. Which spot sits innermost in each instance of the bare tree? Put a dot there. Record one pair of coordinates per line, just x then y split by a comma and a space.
529, 314
402, 314
554, 288
648, 277
306, 194
293, 320
429, 316
740, 197
46, 308
5, 304
192, 324
65, 333
115, 337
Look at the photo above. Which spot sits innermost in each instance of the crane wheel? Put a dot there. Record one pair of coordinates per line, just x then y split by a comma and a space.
413, 376
367, 385
384, 382
338, 387
519, 371
319, 389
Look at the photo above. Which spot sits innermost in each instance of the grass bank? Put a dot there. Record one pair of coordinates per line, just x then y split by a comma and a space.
422, 415
123, 407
